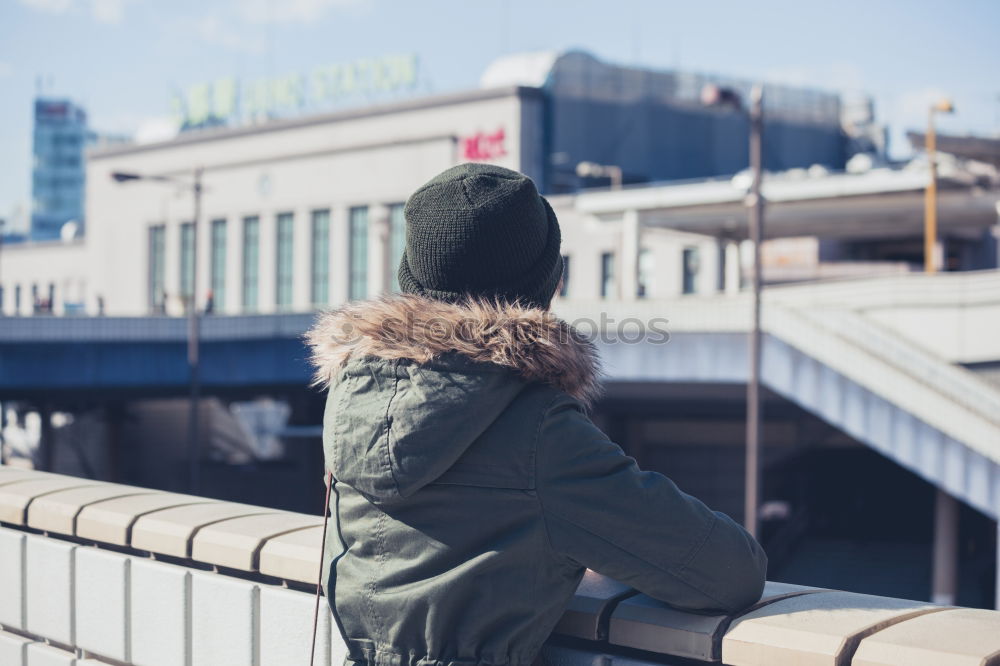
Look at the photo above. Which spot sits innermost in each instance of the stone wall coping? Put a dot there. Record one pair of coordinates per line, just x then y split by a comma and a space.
790, 624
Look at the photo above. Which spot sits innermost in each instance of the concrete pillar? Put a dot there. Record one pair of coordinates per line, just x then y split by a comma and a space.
996, 598
267, 273
732, 267
3, 426
46, 441
302, 261
939, 254
630, 243
945, 573
340, 256
378, 249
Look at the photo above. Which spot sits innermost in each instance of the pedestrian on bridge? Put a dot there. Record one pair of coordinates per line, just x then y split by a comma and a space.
470, 488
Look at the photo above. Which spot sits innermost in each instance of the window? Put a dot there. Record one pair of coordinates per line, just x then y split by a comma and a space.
320, 258
2, 292
358, 270
251, 261
17, 299
218, 268
187, 264
690, 263
564, 289
156, 297
607, 275
283, 260
397, 241
644, 279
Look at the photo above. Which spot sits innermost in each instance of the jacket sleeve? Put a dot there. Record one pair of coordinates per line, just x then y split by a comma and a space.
604, 513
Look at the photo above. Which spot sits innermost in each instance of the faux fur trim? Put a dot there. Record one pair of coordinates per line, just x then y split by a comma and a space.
533, 342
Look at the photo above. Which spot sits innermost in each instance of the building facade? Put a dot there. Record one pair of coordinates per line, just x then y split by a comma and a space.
306, 213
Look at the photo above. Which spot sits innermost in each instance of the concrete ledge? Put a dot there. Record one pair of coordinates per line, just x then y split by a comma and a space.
588, 611
12, 474
235, 543
171, 531
817, 629
111, 521
15, 497
126, 608
293, 556
57, 512
954, 637
647, 624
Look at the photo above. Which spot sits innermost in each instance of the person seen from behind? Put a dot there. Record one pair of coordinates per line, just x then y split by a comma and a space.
471, 490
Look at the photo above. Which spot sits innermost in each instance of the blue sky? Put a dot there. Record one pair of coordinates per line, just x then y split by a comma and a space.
122, 58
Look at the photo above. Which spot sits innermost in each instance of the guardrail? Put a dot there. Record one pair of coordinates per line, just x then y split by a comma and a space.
99, 573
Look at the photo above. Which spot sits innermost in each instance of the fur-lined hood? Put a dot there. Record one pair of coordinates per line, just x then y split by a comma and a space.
534, 343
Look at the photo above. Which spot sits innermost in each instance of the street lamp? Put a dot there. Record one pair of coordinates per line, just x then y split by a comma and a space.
713, 95
595, 170
930, 195
195, 187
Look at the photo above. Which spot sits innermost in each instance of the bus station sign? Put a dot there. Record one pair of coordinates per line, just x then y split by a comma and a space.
228, 100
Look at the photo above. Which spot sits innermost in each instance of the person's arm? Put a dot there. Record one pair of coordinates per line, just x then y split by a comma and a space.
604, 513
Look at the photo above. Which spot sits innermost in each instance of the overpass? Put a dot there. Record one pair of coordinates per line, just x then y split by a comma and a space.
96, 573
51, 356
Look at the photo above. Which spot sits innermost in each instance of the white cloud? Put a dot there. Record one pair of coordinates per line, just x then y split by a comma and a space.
213, 30
155, 129
49, 6
292, 11
102, 11
108, 11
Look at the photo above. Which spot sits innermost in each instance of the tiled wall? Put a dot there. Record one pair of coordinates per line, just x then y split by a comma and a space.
137, 610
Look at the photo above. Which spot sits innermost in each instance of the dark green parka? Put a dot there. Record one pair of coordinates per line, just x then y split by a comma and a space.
472, 491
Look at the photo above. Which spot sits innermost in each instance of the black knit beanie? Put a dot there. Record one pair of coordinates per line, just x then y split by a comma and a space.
481, 230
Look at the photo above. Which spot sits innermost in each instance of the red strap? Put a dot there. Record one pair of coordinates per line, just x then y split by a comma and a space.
319, 576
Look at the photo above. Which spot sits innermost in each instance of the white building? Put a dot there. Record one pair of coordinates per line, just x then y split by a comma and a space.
307, 212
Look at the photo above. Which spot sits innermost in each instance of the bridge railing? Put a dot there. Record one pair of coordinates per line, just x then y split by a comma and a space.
98, 573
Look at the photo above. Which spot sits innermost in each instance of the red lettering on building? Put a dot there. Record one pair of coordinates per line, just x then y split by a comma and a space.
484, 146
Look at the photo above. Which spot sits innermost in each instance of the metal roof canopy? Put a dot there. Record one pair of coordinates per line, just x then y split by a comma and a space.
980, 148
878, 204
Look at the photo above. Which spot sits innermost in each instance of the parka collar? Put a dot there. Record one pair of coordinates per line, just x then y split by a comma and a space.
533, 342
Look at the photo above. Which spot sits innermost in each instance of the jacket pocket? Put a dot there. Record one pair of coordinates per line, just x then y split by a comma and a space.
486, 476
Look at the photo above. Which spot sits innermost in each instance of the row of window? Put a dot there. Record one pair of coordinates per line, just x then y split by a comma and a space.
39, 304
58, 140
57, 162
320, 263
42, 180
319, 258
690, 265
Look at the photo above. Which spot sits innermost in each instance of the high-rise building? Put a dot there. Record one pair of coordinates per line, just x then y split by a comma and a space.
58, 170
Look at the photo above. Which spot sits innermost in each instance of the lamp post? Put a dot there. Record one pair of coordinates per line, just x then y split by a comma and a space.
595, 170
715, 96
193, 337
930, 194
